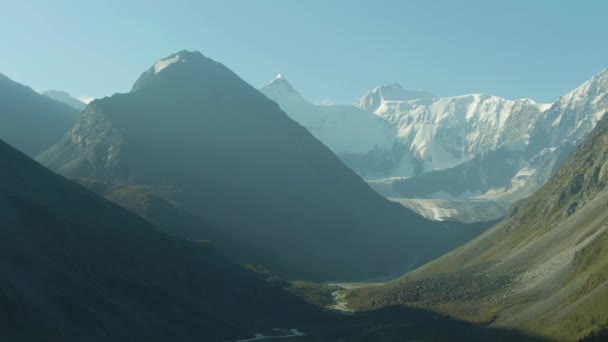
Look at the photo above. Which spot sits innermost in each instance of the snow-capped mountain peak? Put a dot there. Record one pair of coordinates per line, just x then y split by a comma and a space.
574, 114
280, 91
281, 82
352, 133
390, 92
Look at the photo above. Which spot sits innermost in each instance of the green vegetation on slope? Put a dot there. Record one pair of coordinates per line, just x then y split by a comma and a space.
543, 269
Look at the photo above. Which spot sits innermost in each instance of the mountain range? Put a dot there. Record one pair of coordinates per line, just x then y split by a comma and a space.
77, 267
153, 261
198, 207
518, 173
448, 156
195, 134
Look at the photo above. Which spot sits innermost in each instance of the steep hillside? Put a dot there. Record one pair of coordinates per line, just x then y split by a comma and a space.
76, 267
170, 217
29, 121
544, 269
197, 135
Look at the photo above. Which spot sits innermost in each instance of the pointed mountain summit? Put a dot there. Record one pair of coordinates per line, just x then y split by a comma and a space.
29, 121
390, 92
575, 114
281, 82
281, 91
198, 135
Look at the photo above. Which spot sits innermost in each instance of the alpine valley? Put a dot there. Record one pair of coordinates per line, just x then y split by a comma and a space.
196, 207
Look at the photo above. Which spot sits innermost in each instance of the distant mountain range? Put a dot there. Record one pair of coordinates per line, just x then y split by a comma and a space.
64, 97
543, 269
517, 173
446, 156
195, 134
30, 121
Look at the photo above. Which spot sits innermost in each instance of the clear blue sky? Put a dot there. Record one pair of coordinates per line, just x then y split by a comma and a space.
328, 49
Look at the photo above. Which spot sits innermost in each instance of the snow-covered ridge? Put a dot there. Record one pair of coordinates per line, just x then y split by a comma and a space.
576, 113
390, 92
445, 132
427, 133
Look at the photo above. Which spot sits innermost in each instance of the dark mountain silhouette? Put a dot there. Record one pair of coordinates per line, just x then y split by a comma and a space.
29, 121
76, 267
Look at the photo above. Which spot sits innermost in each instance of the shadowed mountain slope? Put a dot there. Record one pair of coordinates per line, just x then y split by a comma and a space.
197, 135
76, 267
29, 121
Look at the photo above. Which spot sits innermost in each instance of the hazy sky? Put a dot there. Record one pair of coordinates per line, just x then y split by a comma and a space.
334, 50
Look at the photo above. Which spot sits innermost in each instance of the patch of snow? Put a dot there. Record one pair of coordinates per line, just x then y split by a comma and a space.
86, 99
160, 65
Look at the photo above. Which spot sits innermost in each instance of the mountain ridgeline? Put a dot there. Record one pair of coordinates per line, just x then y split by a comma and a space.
64, 97
30, 121
486, 150
197, 135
